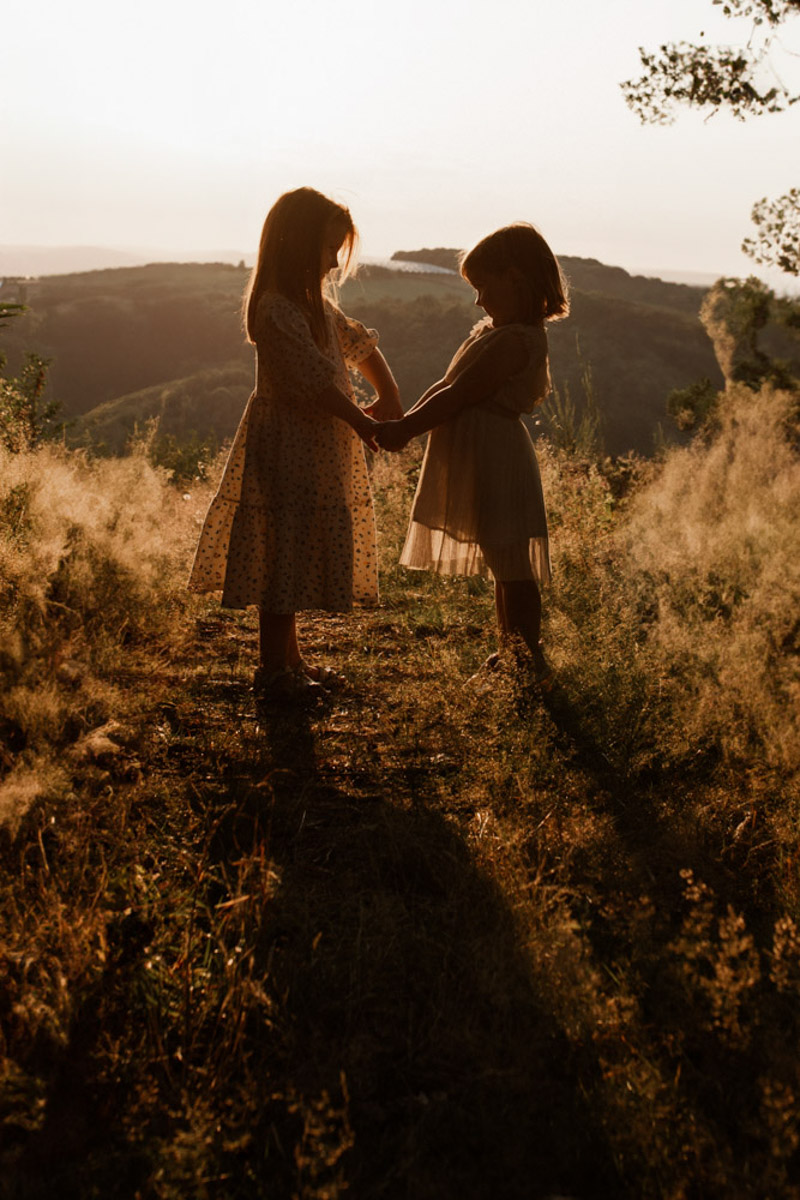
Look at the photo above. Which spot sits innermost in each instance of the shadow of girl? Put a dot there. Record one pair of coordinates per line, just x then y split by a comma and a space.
399, 1048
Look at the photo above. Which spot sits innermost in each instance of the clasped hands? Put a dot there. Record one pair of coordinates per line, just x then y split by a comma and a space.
388, 431
391, 435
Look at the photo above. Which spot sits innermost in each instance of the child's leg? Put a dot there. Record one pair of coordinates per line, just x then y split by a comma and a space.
278, 647
500, 609
519, 614
279, 653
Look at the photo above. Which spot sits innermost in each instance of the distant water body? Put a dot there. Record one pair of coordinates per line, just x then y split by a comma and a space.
402, 264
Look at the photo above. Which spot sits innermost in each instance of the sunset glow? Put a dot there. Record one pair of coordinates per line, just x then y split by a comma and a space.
173, 126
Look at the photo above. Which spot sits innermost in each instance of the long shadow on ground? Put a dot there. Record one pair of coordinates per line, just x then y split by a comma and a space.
641, 805
407, 1004
655, 843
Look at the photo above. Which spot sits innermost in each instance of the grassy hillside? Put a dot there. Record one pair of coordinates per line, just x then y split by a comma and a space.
123, 342
426, 939
117, 331
637, 354
208, 403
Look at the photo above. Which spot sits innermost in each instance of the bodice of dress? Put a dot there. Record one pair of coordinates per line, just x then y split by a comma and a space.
290, 364
521, 392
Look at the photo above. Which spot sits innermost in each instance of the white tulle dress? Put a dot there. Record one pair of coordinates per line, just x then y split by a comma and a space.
479, 507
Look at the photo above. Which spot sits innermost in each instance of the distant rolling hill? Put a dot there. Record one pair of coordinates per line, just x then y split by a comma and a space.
165, 340
33, 261
208, 403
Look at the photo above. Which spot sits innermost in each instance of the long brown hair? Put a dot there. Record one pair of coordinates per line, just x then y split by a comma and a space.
522, 249
290, 254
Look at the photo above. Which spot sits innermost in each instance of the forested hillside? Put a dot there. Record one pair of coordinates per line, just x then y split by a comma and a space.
165, 340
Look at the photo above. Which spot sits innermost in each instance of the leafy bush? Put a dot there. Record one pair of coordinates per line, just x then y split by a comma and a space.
690, 406
26, 418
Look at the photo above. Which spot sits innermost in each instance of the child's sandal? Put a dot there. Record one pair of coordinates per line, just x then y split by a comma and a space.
543, 676
325, 676
481, 681
541, 679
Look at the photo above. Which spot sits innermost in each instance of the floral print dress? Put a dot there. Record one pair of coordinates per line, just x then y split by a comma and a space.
292, 525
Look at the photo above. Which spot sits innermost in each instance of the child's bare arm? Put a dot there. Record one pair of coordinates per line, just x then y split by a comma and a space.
503, 357
376, 371
332, 401
432, 390
391, 435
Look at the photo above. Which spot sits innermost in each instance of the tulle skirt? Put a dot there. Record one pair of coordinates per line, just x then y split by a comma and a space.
479, 507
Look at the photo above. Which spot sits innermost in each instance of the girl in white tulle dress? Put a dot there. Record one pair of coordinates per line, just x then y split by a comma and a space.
479, 507
292, 525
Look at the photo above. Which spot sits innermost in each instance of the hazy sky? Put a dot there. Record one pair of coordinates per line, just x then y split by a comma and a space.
175, 125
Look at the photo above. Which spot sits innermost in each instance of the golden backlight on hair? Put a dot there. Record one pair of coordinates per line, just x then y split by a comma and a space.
522, 249
290, 255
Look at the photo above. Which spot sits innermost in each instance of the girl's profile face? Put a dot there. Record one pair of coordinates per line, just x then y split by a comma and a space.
498, 294
331, 245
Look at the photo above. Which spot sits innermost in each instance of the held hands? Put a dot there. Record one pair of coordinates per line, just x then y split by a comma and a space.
381, 424
385, 435
366, 428
391, 435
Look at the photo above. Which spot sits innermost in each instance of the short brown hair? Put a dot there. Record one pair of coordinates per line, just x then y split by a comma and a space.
521, 248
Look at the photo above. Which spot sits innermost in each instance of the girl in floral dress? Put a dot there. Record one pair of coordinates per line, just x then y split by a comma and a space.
292, 525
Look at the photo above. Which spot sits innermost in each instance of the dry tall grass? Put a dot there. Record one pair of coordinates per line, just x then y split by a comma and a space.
417, 942
714, 553
92, 557
682, 601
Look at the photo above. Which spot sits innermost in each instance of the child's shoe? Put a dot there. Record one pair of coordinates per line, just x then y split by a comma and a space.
325, 676
481, 682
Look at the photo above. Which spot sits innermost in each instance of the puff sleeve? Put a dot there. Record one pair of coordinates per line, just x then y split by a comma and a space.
287, 351
356, 341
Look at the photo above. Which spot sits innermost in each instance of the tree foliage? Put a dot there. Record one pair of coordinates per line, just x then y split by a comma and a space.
735, 313
741, 80
738, 315
715, 77
776, 242
26, 417
690, 406
707, 77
